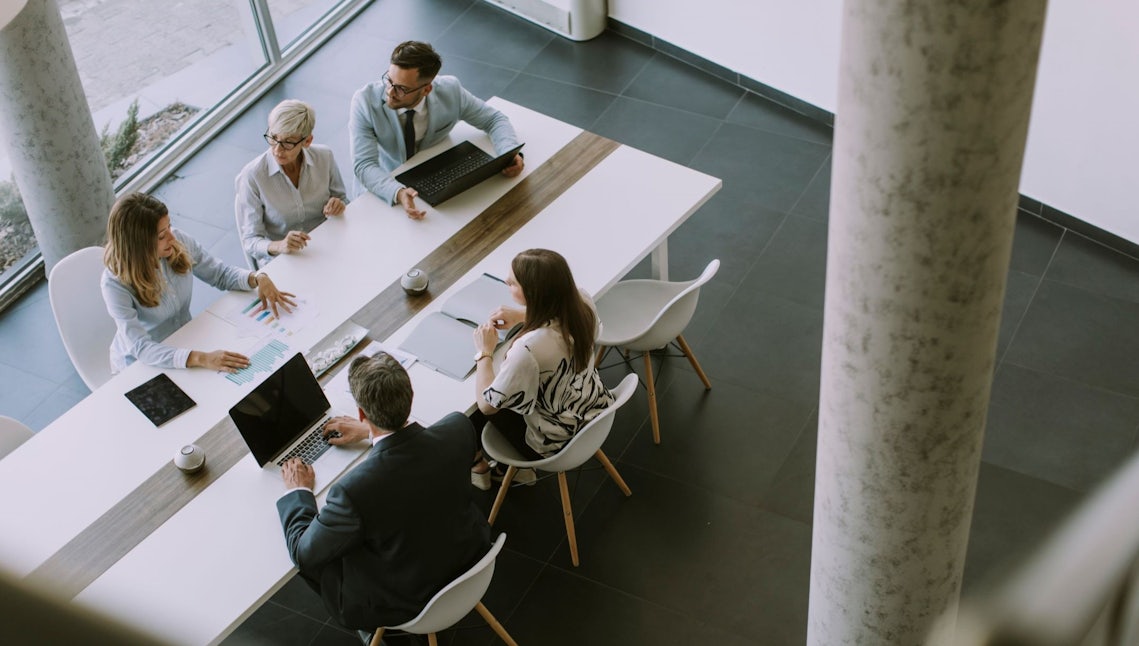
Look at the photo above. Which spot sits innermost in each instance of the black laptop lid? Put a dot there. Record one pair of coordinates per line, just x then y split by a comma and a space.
416, 176
279, 409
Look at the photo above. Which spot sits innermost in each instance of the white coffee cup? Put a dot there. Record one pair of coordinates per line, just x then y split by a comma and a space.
190, 458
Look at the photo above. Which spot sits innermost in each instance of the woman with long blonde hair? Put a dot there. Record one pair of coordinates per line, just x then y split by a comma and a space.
147, 284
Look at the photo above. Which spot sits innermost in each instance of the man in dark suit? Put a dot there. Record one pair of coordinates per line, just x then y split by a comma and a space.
401, 524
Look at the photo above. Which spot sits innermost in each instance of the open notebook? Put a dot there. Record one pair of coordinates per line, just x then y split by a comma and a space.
443, 339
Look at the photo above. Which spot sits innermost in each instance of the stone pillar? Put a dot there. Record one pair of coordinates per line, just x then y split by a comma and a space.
933, 108
47, 127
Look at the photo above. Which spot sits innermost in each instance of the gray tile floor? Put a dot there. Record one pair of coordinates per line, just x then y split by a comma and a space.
714, 544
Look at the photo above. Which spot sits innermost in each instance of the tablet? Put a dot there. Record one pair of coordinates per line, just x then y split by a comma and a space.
160, 399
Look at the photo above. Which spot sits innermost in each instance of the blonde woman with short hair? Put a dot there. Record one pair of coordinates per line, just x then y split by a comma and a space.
288, 190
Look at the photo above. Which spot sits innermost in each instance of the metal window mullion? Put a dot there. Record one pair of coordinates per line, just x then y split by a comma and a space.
264, 22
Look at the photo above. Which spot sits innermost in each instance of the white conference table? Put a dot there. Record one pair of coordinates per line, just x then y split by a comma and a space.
203, 570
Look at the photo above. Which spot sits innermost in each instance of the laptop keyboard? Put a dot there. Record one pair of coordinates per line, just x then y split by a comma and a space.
312, 447
441, 178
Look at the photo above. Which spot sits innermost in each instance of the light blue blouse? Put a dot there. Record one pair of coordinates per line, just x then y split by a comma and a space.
140, 329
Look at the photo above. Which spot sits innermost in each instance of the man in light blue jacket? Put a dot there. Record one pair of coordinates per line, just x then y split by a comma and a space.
383, 138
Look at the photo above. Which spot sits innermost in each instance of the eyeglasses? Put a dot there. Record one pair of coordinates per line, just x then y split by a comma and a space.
400, 90
285, 145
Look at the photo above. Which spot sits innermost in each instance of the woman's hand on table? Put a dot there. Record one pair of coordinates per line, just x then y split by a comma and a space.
351, 430
272, 297
293, 241
334, 206
221, 360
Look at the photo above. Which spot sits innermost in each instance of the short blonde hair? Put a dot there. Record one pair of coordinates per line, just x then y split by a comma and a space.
292, 117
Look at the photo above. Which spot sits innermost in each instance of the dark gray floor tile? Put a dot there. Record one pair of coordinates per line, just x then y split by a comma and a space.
494, 36
742, 570
1012, 514
815, 202
1018, 294
773, 169
1092, 266
39, 351
766, 343
1079, 335
763, 114
22, 392
731, 226
61, 400
667, 81
333, 635
1057, 430
401, 20
607, 63
480, 79
792, 492
666, 132
569, 103
297, 596
793, 266
274, 625
206, 235
568, 609
729, 440
1033, 243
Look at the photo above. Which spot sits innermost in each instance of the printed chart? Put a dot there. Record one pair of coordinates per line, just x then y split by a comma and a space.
252, 318
264, 359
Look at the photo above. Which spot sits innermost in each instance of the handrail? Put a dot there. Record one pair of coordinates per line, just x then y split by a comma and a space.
1078, 587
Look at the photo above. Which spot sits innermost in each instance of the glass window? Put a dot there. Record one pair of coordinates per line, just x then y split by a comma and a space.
16, 237
292, 18
149, 68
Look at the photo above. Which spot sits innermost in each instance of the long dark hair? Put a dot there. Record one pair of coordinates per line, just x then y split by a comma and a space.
131, 253
551, 296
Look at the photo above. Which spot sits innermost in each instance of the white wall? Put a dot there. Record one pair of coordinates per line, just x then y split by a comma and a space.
1083, 143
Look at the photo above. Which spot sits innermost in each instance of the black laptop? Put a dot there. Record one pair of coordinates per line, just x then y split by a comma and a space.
453, 171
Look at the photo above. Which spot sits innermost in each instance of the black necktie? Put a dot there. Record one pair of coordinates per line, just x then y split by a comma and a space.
409, 133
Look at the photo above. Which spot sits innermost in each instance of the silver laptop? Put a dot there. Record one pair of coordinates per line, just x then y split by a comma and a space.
284, 416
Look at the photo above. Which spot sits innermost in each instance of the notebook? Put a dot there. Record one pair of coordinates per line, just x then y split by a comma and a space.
443, 340
453, 171
285, 416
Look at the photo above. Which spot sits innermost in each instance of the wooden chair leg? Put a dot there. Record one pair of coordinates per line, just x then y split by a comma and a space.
600, 356
692, 359
567, 510
612, 471
432, 640
494, 625
652, 397
506, 480
376, 638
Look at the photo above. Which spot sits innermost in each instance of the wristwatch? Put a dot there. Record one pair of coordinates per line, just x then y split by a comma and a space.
479, 356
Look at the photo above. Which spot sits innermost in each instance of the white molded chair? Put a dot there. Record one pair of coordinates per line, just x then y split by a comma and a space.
81, 315
584, 445
13, 433
644, 315
453, 602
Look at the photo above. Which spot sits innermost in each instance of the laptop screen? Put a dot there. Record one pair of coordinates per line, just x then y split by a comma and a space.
278, 410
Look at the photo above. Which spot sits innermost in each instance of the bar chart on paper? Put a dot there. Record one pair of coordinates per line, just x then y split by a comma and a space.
265, 359
253, 318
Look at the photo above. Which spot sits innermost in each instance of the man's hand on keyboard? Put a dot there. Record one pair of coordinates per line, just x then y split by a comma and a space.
351, 430
297, 474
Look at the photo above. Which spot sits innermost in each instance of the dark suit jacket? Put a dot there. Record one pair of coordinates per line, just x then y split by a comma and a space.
395, 529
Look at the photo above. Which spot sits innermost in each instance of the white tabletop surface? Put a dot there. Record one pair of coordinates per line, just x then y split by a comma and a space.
202, 572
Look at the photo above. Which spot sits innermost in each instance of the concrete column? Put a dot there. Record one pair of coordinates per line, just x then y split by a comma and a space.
932, 117
47, 127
